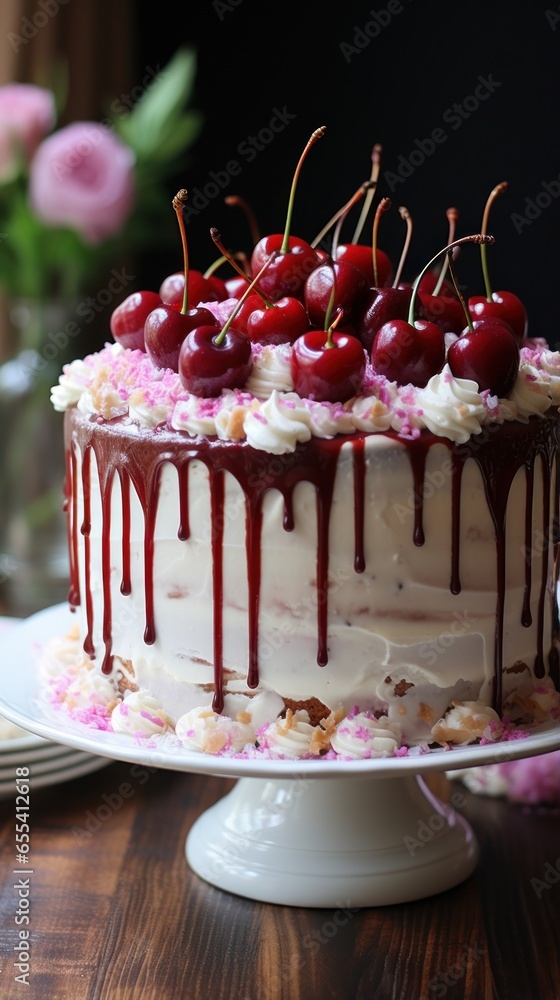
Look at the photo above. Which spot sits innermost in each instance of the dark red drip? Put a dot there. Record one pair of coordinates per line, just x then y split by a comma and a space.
526, 617
499, 451
89, 648
417, 457
217, 495
184, 522
72, 525
150, 515
106, 499
126, 582
539, 659
359, 504
253, 532
456, 480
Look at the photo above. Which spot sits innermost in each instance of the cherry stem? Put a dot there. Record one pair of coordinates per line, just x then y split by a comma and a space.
384, 204
342, 212
178, 203
499, 189
460, 295
327, 327
404, 214
224, 260
374, 177
342, 215
452, 216
478, 238
231, 260
317, 134
250, 288
235, 199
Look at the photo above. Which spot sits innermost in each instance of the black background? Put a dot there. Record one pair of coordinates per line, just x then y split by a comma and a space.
394, 90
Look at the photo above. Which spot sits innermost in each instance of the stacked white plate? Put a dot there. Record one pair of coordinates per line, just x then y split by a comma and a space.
49, 763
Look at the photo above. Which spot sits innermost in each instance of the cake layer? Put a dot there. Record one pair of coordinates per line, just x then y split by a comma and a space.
396, 574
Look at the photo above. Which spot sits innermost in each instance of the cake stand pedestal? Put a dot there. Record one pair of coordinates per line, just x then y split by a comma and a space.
311, 833
345, 841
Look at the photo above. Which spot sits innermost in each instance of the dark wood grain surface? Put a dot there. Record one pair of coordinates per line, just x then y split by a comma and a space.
117, 913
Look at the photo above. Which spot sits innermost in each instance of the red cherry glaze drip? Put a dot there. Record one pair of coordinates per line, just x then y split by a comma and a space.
526, 618
502, 452
71, 489
106, 497
126, 583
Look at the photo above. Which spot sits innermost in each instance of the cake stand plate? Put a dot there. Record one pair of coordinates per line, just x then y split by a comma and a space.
311, 833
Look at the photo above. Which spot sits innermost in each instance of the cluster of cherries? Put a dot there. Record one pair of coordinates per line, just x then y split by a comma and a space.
337, 309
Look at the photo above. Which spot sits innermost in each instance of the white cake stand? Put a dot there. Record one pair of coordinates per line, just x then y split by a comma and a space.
311, 833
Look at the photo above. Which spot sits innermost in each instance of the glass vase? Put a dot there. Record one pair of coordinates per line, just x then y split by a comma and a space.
33, 548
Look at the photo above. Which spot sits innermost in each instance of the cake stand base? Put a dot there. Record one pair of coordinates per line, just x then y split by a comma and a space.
343, 843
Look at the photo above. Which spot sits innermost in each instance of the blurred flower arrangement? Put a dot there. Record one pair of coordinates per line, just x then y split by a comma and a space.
78, 205
77, 197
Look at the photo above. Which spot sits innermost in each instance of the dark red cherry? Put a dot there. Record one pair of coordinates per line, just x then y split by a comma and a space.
165, 330
488, 355
444, 310
350, 290
127, 320
505, 306
201, 289
326, 373
281, 323
407, 353
289, 271
206, 366
362, 256
236, 286
429, 282
381, 305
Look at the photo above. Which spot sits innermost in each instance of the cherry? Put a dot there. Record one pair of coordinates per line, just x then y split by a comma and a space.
487, 352
327, 366
440, 305
294, 258
351, 289
435, 282
165, 327
127, 320
385, 303
502, 304
264, 321
413, 351
211, 361
201, 289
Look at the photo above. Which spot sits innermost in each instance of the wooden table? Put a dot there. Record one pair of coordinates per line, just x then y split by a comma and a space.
116, 912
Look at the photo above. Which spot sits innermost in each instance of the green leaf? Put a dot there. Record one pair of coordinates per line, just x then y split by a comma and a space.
161, 108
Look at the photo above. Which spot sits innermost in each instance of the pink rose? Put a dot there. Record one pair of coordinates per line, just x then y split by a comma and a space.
27, 113
83, 177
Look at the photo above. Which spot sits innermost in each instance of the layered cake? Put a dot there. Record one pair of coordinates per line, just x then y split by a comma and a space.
329, 544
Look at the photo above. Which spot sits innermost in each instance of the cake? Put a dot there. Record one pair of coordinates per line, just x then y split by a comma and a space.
281, 567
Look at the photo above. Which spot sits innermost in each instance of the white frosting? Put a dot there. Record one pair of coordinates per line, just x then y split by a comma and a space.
362, 735
530, 392
189, 415
279, 424
271, 371
71, 386
291, 737
466, 722
327, 419
451, 407
146, 414
370, 414
89, 688
140, 714
204, 730
549, 363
